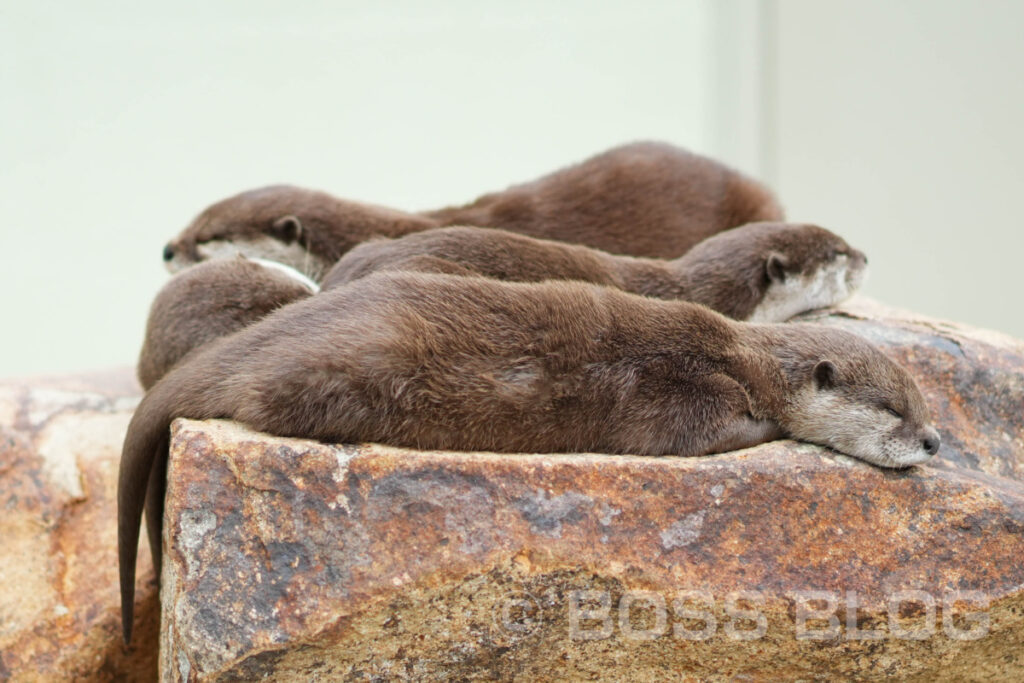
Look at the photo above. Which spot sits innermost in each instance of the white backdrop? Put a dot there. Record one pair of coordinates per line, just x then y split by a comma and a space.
895, 123
899, 124
121, 120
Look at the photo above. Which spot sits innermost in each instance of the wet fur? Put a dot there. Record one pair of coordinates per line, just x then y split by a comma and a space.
643, 199
441, 362
731, 272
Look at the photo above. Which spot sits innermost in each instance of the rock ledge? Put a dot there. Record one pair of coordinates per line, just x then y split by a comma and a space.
299, 560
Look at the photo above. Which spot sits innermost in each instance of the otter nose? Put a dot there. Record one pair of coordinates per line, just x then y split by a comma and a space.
931, 442
168, 253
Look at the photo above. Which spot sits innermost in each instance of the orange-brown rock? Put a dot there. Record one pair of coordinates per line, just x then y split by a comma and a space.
60, 441
298, 560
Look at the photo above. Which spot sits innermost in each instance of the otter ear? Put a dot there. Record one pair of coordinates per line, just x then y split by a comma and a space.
287, 228
775, 267
824, 374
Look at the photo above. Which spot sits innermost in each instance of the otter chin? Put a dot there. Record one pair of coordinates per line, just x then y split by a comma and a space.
830, 282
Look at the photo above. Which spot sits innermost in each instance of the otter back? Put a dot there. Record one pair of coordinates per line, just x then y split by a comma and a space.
643, 199
766, 272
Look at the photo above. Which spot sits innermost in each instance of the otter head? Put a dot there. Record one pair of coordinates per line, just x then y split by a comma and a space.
769, 272
301, 228
270, 223
847, 395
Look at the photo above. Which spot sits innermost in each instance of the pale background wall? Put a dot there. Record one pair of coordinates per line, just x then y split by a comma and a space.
900, 124
893, 122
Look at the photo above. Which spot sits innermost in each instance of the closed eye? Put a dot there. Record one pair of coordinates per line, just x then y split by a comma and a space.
892, 411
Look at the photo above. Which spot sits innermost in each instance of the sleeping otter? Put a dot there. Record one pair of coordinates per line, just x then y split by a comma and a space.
441, 362
761, 272
643, 199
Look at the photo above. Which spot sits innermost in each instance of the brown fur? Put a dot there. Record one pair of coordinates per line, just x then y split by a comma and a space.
323, 225
440, 362
205, 303
643, 199
728, 272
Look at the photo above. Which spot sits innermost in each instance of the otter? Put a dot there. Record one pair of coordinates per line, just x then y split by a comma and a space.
643, 199
305, 229
760, 272
209, 301
439, 362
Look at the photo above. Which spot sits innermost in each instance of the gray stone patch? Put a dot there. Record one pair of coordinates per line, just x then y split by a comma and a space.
466, 502
608, 513
546, 515
684, 532
467, 515
192, 530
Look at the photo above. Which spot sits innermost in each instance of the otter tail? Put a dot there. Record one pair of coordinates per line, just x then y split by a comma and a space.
144, 451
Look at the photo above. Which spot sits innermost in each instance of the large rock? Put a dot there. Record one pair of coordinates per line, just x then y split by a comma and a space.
296, 560
60, 441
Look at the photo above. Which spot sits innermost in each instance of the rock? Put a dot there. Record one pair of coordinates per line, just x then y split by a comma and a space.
60, 442
296, 560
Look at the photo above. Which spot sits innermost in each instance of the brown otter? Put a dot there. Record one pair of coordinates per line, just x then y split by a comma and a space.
642, 199
441, 362
210, 301
762, 272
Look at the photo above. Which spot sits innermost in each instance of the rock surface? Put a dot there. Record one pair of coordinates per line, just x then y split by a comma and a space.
60, 442
301, 561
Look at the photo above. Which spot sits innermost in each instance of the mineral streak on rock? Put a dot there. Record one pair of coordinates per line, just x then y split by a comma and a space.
60, 441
